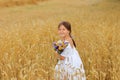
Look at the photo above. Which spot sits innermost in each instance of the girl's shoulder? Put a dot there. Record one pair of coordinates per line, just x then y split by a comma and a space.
71, 42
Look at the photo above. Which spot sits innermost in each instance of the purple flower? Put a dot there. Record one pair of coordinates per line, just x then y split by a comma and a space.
59, 46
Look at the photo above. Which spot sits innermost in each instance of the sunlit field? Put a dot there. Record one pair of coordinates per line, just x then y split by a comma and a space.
27, 33
9, 3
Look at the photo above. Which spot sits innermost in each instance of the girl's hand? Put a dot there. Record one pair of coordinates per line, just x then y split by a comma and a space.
59, 56
62, 57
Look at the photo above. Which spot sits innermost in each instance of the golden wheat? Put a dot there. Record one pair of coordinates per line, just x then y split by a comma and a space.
9, 3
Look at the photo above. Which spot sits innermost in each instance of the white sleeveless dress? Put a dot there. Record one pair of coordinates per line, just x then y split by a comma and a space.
71, 68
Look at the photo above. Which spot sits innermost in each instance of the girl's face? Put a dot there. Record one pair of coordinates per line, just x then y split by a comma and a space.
63, 32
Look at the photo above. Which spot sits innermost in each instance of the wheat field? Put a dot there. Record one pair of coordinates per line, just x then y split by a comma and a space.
27, 33
10, 3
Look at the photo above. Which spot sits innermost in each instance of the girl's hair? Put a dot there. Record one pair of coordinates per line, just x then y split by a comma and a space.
67, 25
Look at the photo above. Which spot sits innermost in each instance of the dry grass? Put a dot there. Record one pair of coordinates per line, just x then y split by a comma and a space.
27, 32
9, 3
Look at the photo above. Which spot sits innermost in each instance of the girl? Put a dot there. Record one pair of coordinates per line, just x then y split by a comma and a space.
69, 66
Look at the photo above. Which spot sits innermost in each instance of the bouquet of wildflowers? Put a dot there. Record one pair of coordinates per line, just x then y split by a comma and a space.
60, 46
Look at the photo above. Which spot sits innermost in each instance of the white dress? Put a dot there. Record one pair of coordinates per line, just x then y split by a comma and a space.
71, 68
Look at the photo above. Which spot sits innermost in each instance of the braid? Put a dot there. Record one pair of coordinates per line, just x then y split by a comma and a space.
73, 41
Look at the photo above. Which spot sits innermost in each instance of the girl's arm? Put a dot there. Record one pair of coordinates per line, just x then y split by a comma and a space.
59, 56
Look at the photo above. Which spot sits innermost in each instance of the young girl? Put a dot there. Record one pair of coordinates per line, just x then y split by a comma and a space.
69, 66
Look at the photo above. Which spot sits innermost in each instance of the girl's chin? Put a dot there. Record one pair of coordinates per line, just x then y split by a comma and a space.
62, 36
